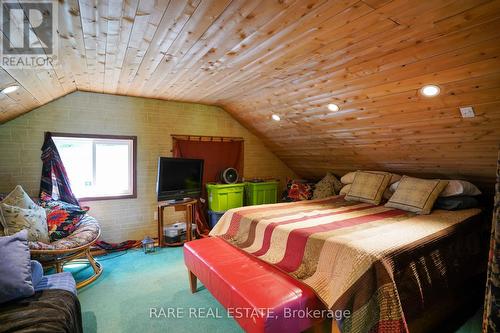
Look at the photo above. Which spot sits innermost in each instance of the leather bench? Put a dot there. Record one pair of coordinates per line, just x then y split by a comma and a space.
247, 286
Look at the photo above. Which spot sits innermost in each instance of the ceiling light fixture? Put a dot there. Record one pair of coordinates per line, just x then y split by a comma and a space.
333, 107
10, 89
276, 117
430, 90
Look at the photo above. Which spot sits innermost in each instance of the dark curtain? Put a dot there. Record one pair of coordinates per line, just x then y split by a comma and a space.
55, 182
217, 156
491, 319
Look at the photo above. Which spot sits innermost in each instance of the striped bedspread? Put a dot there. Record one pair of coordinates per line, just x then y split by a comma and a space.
345, 251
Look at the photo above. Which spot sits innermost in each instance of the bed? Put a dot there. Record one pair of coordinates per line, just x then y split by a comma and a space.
385, 266
47, 311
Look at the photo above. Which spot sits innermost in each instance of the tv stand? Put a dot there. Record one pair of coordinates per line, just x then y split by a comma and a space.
190, 205
177, 200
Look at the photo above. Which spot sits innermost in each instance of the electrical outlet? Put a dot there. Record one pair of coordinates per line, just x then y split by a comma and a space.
155, 216
467, 112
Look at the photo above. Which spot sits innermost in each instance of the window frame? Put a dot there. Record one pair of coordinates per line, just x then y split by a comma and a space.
133, 138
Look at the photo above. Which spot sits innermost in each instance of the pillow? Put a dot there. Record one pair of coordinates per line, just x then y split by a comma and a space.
19, 198
368, 187
15, 267
454, 188
459, 187
326, 187
348, 178
345, 189
456, 203
33, 220
416, 195
62, 218
387, 193
36, 272
298, 190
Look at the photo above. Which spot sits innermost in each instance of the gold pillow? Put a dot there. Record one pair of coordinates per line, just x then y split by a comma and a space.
416, 195
368, 187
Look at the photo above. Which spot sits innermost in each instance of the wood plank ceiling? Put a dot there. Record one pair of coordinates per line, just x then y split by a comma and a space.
256, 58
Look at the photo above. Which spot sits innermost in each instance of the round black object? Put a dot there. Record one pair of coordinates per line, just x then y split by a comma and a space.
229, 176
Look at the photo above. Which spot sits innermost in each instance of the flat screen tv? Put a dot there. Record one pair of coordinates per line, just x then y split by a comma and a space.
179, 178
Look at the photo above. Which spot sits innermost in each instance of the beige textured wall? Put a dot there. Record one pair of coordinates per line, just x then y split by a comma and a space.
153, 121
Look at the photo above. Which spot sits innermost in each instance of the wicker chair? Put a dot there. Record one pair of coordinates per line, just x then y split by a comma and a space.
75, 246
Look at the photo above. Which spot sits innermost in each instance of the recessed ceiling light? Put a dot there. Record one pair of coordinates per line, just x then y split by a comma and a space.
10, 89
276, 117
430, 90
333, 107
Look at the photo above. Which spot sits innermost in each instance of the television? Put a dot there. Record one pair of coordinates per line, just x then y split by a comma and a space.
179, 178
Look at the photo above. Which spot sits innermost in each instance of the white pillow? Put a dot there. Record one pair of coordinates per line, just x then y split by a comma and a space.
344, 190
454, 187
348, 178
459, 187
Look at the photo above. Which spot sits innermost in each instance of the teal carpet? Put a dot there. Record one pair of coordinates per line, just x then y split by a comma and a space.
132, 283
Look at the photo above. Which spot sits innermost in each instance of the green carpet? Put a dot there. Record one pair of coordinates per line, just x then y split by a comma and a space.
133, 283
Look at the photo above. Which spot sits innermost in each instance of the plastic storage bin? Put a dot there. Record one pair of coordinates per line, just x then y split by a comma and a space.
222, 197
261, 193
214, 217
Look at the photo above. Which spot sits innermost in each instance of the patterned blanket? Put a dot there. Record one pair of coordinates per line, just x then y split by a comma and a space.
347, 252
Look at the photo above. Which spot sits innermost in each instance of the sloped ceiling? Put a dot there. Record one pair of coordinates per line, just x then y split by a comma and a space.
256, 58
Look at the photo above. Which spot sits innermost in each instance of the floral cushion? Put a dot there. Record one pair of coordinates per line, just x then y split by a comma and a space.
87, 230
19, 198
16, 219
298, 190
18, 212
62, 218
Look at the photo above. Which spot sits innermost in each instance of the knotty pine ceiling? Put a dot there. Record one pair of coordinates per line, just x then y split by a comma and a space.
291, 58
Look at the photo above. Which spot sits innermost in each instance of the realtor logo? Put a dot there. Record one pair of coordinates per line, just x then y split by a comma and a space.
29, 38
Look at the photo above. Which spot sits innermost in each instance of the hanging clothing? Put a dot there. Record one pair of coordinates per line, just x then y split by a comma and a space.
491, 317
54, 181
217, 156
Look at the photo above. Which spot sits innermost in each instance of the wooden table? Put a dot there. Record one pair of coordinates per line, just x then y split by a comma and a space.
190, 205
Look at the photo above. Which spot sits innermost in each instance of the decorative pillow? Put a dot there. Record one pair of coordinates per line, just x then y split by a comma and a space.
326, 187
348, 178
416, 195
62, 218
456, 203
298, 190
19, 198
34, 220
368, 187
386, 196
15, 267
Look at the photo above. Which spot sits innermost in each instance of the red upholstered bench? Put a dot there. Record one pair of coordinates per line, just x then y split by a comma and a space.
246, 285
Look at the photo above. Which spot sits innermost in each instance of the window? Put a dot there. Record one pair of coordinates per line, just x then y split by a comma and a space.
99, 166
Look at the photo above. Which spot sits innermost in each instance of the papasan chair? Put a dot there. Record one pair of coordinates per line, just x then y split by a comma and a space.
75, 246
